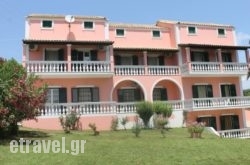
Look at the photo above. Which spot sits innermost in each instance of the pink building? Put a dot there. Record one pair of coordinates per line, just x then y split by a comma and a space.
101, 69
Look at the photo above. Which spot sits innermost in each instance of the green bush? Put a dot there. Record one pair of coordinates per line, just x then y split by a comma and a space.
145, 111
124, 122
196, 129
70, 121
114, 124
136, 129
161, 108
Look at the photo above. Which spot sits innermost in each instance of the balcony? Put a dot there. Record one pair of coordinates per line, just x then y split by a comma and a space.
135, 70
64, 69
214, 68
217, 103
95, 108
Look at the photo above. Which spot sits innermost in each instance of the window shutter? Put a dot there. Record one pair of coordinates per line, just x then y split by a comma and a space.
223, 90
232, 90
209, 91
192, 56
61, 55
235, 122
74, 95
164, 95
212, 121
95, 94
62, 95
117, 59
120, 95
195, 91
93, 55
135, 60
161, 60
46, 55
137, 94
74, 55
206, 57
80, 56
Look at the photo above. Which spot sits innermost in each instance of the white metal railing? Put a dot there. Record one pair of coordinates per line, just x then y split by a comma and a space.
46, 66
130, 70
90, 66
235, 67
163, 70
205, 67
220, 102
235, 133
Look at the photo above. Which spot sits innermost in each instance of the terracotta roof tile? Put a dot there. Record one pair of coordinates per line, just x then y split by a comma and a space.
57, 16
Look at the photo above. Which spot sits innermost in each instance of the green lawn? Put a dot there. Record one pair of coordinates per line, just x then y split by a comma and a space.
122, 147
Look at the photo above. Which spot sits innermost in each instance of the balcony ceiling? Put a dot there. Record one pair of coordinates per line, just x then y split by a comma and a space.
145, 49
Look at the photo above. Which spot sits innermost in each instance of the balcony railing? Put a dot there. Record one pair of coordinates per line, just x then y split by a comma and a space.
163, 70
91, 108
217, 103
134, 70
214, 68
63, 66
235, 133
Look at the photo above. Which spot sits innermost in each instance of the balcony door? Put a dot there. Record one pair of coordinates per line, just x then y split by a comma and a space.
229, 122
228, 90
160, 94
84, 55
129, 95
126, 60
199, 56
210, 121
54, 55
85, 94
226, 57
202, 91
155, 60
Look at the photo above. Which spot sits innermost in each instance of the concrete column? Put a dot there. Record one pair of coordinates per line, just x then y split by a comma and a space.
112, 62
69, 57
220, 59
145, 61
25, 56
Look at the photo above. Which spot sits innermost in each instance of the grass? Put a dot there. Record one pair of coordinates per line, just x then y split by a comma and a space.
122, 147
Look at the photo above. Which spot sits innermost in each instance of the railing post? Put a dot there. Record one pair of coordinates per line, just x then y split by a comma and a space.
69, 57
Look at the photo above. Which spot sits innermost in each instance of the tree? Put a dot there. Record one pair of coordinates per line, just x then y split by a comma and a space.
20, 96
145, 111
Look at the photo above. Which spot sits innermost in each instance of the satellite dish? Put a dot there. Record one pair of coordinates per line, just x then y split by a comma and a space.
69, 18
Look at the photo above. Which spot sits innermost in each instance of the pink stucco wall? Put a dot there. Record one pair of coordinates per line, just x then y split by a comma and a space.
141, 38
206, 35
60, 31
214, 81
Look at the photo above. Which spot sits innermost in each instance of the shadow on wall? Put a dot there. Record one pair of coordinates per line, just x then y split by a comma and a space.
71, 36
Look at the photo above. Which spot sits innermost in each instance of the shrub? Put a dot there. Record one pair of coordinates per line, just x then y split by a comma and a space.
160, 124
70, 121
196, 129
114, 124
124, 122
94, 128
145, 111
161, 108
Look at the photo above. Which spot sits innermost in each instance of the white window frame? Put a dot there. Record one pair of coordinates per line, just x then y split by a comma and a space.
52, 24
152, 32
221, 35
83, 25
124, 32
195, 29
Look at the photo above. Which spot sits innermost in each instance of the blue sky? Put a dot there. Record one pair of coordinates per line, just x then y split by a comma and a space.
13, 13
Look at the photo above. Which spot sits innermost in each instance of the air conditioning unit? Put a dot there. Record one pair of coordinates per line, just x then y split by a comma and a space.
33, 47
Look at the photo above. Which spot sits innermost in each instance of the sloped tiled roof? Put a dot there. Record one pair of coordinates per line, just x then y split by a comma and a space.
235, 47
57, 16
145, 48
139, 26
195, 23
74, 42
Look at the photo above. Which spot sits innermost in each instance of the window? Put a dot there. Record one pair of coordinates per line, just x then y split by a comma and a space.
202, 91
199, 56
221, 32
120, 32
191, 30
84, 55
88, 25
56, 95
85, 94
156, 33
129, 95
228, 90
47, 24
160, 94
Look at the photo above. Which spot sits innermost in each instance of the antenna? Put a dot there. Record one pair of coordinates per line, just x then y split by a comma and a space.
70, 19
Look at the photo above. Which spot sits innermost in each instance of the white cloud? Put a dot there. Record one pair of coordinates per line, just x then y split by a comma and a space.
243, 38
